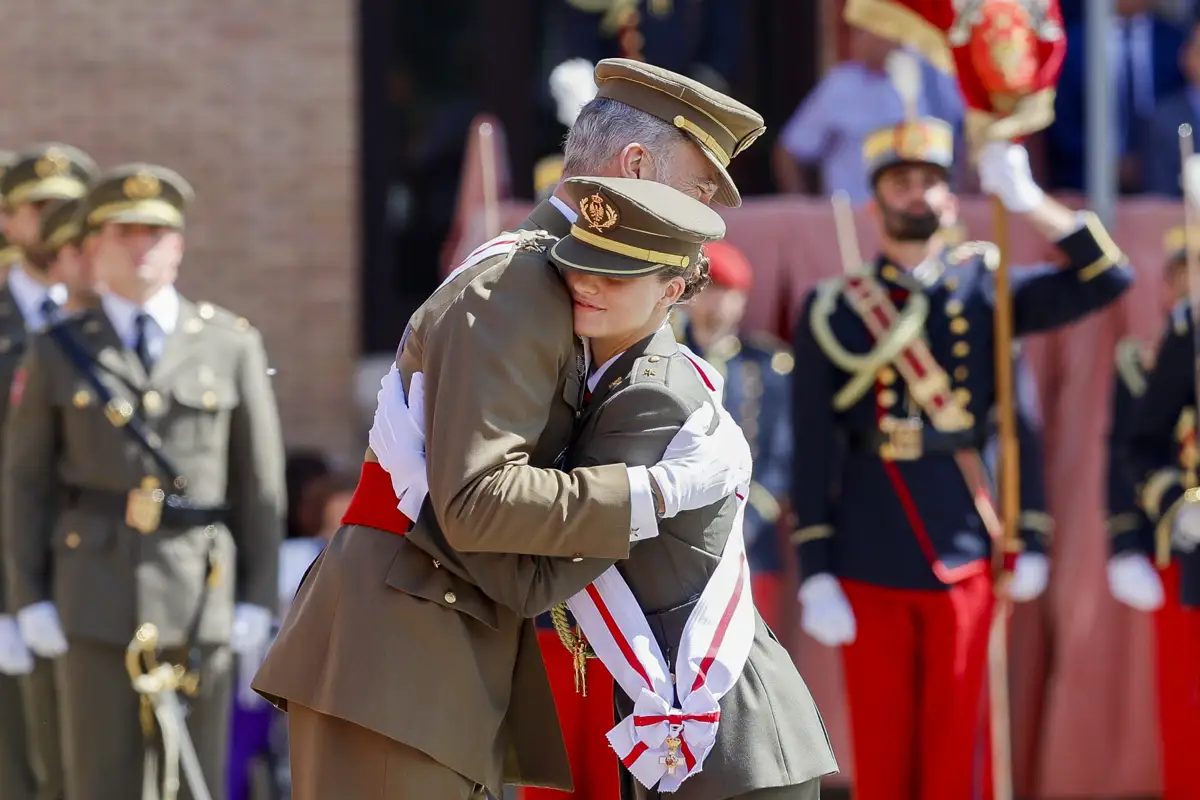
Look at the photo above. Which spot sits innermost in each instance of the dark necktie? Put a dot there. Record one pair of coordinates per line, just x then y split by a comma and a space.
142, 343
49, 310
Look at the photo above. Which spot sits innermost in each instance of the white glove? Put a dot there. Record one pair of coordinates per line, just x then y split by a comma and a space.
398, 438
698, 468
249, 640
1134, 581
1030, 575
251, 628
572, 85
15, 658
1004, 172
41, 629
826, 614
1186, 533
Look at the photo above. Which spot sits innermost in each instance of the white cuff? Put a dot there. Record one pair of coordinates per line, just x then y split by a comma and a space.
643, 519
1081, 221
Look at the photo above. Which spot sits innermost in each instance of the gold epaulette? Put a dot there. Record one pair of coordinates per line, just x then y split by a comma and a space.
221, 317
966, 251
862, 368
782, 359
1129, 366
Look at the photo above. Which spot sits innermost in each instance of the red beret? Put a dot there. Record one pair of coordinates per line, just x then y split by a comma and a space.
728, 266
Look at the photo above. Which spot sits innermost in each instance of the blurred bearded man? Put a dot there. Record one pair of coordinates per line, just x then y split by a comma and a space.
893, 391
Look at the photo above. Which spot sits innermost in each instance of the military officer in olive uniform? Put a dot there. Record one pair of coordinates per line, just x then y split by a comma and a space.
16, 767
153, 419
757, 368
891, 399
65, 244
31, 297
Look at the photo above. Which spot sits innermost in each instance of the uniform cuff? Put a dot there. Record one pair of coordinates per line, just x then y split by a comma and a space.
1036, 528
643, 519
812, 549
1089, 249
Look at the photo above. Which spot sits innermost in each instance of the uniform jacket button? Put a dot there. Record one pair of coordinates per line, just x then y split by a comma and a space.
450, 597
73, 540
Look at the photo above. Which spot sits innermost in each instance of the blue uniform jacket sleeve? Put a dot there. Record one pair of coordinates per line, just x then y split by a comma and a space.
1049, 296
1035, 523
1153, 450
818, 451
1127, 525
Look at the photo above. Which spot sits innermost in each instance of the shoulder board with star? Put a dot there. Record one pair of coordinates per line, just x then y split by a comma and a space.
212, 314
967, 252
776, 350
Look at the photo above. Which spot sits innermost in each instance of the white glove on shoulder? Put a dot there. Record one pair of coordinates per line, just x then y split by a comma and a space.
1004, 172
1135, 582
826, 614
397, 438
1031, 573
15, 658
702, 464
42, 630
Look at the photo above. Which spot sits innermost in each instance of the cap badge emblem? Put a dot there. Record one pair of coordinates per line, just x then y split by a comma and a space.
142, 186
54, 162
598, 212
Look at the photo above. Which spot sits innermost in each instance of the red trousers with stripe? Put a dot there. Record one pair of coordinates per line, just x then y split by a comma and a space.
914, 683
1177, 661
584, 721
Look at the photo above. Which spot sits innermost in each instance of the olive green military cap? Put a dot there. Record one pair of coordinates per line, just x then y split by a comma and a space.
133, 194
628, 228
60, 224
720, 125
51, 171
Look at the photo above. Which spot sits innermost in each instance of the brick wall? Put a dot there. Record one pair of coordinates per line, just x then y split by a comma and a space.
253, 102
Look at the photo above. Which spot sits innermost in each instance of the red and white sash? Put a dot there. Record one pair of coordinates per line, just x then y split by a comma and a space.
674, 722
664, 741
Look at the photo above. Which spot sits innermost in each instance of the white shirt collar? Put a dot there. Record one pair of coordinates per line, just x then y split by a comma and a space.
29, 295
162, 307
566, 210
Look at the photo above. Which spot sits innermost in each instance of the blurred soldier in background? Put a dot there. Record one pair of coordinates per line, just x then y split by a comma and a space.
67, 246
757, 368
1145, 567
30, 298
892, 395
154, 420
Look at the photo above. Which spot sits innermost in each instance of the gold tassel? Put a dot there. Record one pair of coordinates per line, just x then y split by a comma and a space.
576, 644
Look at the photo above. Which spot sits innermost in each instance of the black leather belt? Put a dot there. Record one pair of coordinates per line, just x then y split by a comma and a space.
178, 512
932, 440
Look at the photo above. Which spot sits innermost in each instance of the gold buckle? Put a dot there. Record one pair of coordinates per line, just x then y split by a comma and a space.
143, 509
904, 439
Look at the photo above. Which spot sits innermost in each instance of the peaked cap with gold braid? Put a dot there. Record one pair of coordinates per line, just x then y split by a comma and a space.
720, 125
51, 171
629, 227
134, 194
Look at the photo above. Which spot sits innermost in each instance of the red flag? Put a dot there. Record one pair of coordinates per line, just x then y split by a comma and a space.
1006, 54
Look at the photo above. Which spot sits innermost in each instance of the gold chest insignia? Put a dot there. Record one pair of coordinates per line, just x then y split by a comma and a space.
599, 214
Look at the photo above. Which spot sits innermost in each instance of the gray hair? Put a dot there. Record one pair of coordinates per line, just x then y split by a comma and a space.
605, 127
